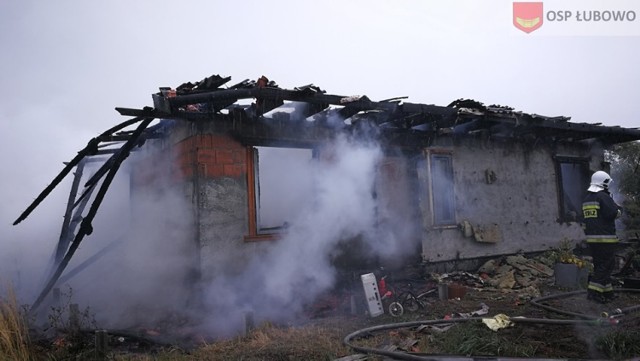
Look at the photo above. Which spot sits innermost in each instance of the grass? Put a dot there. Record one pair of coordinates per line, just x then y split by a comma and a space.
620, 345
14, 332
474, 338
275, 343
267, 342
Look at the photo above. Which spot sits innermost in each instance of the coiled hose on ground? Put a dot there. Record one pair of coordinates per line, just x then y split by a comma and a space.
583, 319
537, 302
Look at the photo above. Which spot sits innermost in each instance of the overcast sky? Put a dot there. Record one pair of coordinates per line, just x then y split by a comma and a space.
67, 64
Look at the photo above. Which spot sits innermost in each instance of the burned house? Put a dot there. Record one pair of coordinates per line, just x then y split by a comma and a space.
449, 183
464, 180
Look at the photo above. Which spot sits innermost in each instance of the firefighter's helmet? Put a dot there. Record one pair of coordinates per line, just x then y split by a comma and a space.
599, 181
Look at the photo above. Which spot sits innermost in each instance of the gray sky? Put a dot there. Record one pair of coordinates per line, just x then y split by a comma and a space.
67, 64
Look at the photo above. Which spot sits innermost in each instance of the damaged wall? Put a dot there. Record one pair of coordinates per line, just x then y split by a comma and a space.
213, 169
506, 200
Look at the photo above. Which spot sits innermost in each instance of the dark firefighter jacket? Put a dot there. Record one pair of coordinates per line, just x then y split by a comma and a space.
600, 212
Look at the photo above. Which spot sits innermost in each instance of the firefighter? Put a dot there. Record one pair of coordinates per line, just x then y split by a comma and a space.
600, 212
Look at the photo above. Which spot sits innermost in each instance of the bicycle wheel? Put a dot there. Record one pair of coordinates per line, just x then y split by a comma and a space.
396, 309
411, 304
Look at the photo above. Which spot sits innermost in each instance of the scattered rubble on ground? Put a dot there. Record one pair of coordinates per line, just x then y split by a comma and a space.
508, 274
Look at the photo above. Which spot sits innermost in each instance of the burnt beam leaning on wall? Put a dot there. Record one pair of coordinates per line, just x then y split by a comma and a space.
89, 261
86, 227
90, 149
63, 242
73, 214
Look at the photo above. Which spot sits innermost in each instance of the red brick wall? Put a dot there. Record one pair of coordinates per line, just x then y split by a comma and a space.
211, 155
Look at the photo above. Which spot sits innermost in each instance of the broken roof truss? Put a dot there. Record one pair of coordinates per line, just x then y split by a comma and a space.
207, 100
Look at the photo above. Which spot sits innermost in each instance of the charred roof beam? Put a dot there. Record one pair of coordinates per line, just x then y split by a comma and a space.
276, 94
555, 128
301, 110
207, 84
332, 117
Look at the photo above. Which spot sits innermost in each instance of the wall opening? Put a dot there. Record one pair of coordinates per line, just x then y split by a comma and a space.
573, 181
442, 191
283, 183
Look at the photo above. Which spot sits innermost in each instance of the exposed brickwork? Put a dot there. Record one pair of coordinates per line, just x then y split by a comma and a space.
234, 170
215, 171
215, 155
224, 156
208, 155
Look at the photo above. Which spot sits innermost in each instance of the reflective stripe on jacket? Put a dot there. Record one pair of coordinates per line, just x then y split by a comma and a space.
600, 212
601, 239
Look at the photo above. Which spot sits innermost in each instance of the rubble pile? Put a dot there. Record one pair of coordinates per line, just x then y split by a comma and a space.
515, 273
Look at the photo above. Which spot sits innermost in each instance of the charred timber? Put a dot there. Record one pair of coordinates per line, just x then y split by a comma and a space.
90, 149
86, 227
358, 104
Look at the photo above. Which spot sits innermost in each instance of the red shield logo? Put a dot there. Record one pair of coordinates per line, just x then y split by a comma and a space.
527, 16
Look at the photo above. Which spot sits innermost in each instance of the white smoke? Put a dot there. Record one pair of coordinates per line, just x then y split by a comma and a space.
149, 273
141, 238
145, 276
297, 268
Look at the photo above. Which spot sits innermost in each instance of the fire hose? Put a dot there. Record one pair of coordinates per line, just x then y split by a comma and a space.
605, 319
424, 357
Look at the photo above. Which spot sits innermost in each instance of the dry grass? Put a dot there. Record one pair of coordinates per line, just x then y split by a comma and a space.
264, 343
14, 332
277, 343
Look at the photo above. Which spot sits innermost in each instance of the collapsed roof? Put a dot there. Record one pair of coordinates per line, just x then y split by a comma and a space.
316, 115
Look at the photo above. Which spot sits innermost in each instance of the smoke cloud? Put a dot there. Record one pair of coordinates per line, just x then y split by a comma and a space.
143, 276
297, 268
145, 273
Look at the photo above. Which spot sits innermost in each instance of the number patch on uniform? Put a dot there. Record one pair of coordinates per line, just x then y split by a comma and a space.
590, 213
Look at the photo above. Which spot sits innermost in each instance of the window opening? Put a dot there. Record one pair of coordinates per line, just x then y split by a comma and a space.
283, 185
443, 200
573, 181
